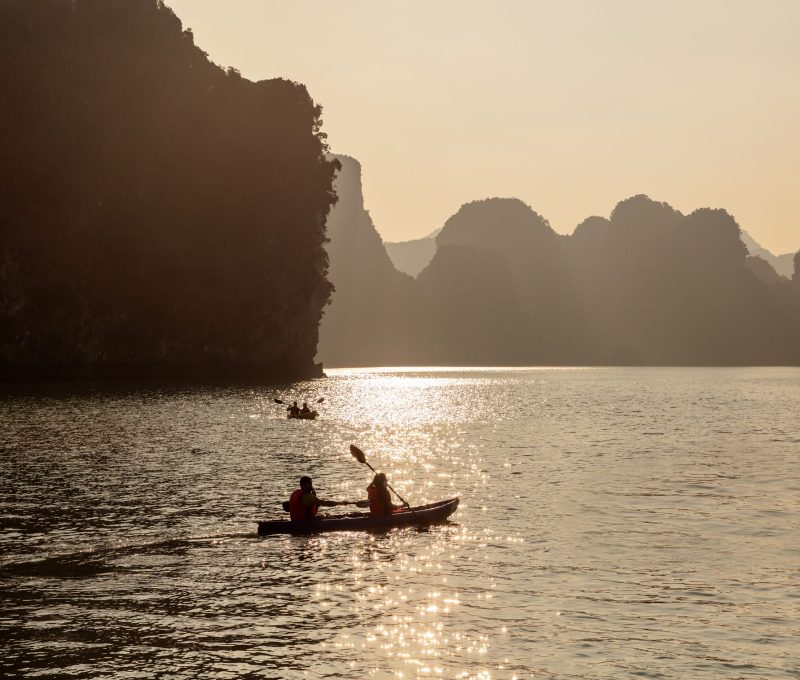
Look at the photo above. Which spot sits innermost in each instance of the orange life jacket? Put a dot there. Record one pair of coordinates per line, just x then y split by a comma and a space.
298, 511
376, 503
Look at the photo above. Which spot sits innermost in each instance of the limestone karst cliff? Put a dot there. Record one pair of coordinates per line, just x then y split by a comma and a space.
159, 215
647, 285
375, 312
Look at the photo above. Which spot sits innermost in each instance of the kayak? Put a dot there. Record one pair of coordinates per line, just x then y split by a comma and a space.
422, 515
310, 415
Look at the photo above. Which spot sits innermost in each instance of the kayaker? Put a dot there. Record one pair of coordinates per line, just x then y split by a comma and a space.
294, 409
305, 408
380, 502
304, 503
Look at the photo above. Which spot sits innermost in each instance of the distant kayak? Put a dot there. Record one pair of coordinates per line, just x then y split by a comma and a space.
310, 415
433, 513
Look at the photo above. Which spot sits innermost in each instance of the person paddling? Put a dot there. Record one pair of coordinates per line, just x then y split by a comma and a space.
380, 502
305, 408
304, 503
294, 409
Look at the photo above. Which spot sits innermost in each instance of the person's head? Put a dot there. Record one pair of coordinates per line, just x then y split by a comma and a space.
379, 480
294, 403
305, 404
305, 483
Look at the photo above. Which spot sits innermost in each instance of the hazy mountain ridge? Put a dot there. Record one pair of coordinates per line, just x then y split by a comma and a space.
473, 316
414, 255
158, 214
648, 285
782, 264
162, 216
411, 256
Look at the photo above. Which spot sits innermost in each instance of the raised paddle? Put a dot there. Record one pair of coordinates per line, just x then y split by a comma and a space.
361, 457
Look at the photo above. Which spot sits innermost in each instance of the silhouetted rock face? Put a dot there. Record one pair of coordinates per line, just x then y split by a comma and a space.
411, 257
158, 215
795, 283
552, 319
509, 227
763, 270
355, 247
374, 313
782, 264
500, 223
474, 316
670, 289
595, 230
649, 285
643, 217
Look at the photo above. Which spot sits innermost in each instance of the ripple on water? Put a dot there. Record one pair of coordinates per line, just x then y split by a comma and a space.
614, 523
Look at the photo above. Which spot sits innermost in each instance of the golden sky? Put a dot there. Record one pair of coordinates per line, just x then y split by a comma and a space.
570, 106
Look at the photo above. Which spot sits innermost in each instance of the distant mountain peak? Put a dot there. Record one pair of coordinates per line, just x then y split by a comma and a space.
783, 264
643, 210
489, 221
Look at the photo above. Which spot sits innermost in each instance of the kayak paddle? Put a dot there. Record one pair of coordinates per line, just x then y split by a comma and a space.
361, 457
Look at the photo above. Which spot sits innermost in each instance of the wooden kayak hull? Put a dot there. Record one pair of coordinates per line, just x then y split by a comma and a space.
423, 515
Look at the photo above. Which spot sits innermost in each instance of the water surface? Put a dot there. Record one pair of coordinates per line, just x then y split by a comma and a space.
613, 523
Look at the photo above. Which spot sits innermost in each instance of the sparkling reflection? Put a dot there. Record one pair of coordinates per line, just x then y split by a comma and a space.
613, 523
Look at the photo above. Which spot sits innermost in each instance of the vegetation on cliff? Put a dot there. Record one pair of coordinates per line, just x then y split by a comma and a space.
157, 212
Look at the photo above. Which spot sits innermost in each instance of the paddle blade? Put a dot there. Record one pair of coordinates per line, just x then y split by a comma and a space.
277, 401
320, 400
358, 454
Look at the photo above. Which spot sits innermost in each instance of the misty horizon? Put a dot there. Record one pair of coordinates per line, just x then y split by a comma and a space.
568, 107
648, 285
432, 233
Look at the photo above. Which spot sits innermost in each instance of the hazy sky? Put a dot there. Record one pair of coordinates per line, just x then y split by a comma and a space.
570, 105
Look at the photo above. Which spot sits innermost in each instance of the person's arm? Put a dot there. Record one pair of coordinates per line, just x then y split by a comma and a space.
311, 499
330, 504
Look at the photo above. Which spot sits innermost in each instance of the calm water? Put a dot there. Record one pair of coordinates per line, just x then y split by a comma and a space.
613, 523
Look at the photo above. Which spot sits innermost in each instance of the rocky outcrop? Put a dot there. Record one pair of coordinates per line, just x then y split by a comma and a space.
782, 264
647, 285
411, 257
374, 316
159, 216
